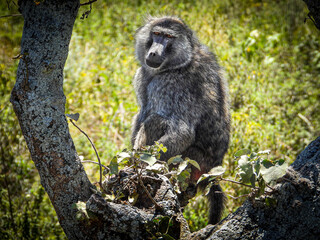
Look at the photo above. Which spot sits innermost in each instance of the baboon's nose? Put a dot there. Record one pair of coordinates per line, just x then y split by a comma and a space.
153, 60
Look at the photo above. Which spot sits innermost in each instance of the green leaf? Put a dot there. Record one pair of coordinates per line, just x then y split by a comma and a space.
182, 166
123, 156
203, 177
245, 169
217, 171
158, 168
175, 160
148, 158
243, 161
193, 163
74, 116
242, 152
114, 166
253, 180
184, 175
271, 172
161, 147
262, 186
257, 166
182, 179
208, 188
212, 174
164, 149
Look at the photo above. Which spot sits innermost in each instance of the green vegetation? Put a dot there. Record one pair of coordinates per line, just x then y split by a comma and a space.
271, 60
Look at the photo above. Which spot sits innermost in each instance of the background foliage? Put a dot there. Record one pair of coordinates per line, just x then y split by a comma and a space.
271, 60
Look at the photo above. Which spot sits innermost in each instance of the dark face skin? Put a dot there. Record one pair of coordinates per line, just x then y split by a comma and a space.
160, 43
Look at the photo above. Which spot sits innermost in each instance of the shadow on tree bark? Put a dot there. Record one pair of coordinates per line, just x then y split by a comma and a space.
291, 211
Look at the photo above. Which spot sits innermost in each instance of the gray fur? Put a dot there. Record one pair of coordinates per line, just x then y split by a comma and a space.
184, 102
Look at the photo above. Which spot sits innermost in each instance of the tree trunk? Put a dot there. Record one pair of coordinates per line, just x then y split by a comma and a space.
39, 104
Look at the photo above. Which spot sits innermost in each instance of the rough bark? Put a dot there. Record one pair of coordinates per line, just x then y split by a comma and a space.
291, 211
314, 8
39, 104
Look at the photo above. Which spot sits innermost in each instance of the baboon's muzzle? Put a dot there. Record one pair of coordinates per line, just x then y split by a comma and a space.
155, 52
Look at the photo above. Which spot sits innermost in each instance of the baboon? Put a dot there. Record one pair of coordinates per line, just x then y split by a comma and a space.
183, 98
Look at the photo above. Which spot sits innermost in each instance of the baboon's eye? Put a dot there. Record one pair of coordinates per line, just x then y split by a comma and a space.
169, 36
156, 33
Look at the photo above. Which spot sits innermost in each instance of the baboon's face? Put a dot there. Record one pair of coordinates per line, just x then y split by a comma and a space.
159, 46
164, 44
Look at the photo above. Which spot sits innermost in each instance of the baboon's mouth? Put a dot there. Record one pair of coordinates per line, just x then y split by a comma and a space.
153, 64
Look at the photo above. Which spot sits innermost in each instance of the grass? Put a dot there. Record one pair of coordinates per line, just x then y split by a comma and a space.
270, 56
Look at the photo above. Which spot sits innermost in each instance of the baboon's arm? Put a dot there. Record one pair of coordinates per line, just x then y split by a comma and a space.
178, 137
